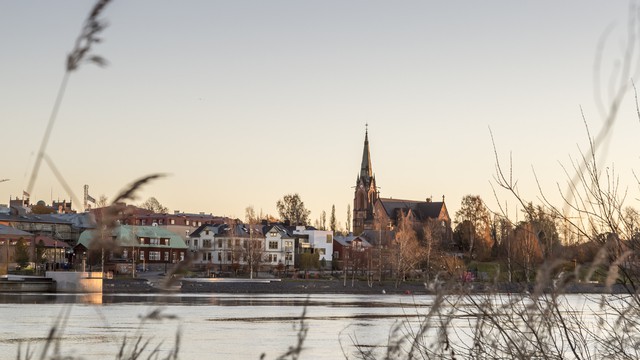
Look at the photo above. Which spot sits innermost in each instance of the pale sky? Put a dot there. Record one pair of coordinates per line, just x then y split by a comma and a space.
242, 102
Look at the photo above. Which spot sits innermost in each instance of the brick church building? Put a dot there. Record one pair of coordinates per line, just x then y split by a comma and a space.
373, 215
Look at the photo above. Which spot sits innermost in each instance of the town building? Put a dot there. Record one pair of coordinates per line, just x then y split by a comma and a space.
314, 241
9, 238
227, 247
351, 253
150, 246
279, 247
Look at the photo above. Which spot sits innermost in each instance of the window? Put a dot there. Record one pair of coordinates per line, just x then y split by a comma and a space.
336, 255
237, 242
187, 242
125, 253
220, 256
181, 256
206, 243
154, 241
219, 243
166, 242
322, 251
154, 255
195, 243
166, 256
329, 238
187, 222
273, 234
141, 255
172, 221
143, 222
141, 240
206, 232
288, 257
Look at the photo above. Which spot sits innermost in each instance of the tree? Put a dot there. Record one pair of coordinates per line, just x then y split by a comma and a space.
103, 201
525, 248
348, 224
433, 235
472, 209
544, 228
41, 208
254, 247
22, 253
40, 253
154, 205
333, 226
408, 250
323, 220
291, 208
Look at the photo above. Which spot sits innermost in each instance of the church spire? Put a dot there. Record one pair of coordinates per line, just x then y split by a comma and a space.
365, 169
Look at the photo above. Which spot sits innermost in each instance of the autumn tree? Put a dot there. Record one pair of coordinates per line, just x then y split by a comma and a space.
477, 218
291, 208
525, 248
154, 205
544, 226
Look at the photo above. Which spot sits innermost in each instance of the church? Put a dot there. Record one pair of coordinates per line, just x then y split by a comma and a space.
377, 218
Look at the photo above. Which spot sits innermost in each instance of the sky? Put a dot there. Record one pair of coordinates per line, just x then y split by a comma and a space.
242, 102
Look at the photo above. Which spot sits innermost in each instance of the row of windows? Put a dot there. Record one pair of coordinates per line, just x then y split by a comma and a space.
160, 222
156, 255
154, 241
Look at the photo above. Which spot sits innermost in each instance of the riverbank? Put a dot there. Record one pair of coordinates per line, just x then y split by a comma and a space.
154, 283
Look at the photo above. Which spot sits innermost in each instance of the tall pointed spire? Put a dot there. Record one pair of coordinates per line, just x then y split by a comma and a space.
365, 169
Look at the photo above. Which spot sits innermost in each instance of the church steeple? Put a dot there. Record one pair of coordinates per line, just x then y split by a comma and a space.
366, 191
365, 169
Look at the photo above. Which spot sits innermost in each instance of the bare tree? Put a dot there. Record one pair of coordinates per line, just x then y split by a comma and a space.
254, 247
408, 250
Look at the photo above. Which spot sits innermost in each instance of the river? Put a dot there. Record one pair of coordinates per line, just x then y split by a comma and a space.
210, 325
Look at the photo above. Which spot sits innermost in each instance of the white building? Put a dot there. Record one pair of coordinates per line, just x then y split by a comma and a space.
225, 247
317, 241
279, 247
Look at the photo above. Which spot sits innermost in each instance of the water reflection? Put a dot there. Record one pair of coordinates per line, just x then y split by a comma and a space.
370, 301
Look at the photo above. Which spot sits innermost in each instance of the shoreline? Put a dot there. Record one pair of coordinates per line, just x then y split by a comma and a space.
331, 286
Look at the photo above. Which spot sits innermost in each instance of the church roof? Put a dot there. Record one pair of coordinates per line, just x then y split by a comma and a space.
422, 210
